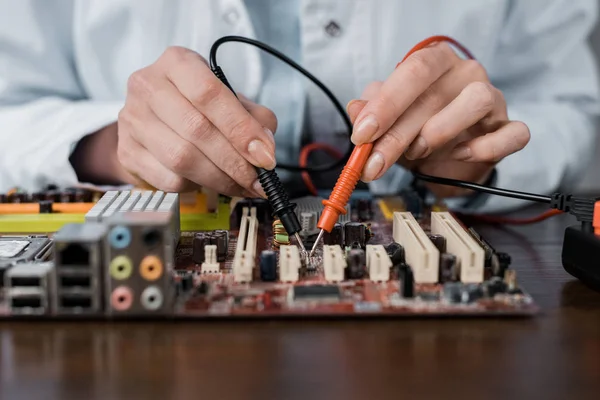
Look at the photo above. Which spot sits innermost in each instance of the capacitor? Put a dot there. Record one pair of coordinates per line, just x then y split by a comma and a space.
364, 209
53, 195
45, 207
355, 235
17, 198
448, 266
221, 239
356, 262
452, 292
67, 196
187, 282
268, 266
2, 198
308, 221
396, 253
36, 197
439, 241
200, 240
407, 281
335, 237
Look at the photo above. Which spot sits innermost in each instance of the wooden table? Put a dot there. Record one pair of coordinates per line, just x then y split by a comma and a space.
553, 356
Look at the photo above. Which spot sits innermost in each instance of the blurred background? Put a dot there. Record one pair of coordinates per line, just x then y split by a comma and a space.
591, 181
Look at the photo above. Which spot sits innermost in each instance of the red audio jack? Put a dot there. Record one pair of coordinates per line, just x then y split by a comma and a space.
336, 205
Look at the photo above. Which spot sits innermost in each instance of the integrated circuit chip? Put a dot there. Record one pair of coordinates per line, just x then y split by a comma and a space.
316, 293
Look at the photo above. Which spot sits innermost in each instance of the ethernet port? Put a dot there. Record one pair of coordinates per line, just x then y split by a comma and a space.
152, 237
75, 254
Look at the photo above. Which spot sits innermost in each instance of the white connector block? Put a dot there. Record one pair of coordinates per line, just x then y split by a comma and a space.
470, 256
289, 263
210, 264
244, 259
420, 252
334, 263
378, 263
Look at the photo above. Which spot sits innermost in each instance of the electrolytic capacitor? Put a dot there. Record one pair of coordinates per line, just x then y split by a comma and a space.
407, 281
356, 262
396, 253
448, 266
355, 235
67, 196
200, 240
220, 238
335, 237
439, 241
268, 266
2, 198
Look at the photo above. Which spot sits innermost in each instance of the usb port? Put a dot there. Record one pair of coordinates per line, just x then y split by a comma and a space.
75, 281
25, 281
75, 302
26, 302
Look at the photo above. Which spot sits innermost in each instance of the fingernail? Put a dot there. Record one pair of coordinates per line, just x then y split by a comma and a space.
257, 188
461, 153
260, 152
270, 135
374, 166
417, 149
365, 130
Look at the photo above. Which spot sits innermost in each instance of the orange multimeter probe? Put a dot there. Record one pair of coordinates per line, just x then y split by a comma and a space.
336, 204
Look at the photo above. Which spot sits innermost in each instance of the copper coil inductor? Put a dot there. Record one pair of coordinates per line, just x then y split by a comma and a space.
280, 235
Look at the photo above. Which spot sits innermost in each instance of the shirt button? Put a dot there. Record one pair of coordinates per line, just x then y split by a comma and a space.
231, 16
333, 29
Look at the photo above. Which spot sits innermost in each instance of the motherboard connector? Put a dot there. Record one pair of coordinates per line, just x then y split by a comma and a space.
334, 263
28, 288
289, 263
378, 263
470, 256
245, 251
210, 264
420, 252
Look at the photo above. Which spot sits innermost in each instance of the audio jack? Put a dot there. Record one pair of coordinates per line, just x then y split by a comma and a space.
283, 209
336, 205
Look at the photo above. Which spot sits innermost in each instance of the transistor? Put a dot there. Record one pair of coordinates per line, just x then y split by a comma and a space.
396, 253
335, 237
268, 266
355, 235
439, 241
356, 261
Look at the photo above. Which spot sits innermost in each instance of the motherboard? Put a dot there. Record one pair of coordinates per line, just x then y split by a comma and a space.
132, 256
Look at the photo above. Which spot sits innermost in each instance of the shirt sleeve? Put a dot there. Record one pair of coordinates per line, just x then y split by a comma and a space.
44, 111
546, 70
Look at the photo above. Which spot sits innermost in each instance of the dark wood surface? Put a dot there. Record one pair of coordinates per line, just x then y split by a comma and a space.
553, 356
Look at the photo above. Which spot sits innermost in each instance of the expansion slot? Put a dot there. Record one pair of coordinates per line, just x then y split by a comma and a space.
245, 251
421, 254
469, 254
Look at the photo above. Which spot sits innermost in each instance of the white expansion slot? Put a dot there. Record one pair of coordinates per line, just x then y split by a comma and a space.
245, 250
334, 263
378, 263
210, 264
420, 252
289, 263
469, 254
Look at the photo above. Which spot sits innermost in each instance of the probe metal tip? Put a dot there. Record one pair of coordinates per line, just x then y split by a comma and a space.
312, 251
299, 240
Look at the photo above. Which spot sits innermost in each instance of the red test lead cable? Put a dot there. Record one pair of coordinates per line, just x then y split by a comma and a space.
336, 204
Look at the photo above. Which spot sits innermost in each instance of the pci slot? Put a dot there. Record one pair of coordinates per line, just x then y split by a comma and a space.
421, 254
245, 250
470, 256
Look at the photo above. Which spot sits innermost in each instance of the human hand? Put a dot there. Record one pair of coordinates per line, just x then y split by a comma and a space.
182, 127
439, 115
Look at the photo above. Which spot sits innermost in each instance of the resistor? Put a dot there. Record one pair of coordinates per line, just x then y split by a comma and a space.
280, 235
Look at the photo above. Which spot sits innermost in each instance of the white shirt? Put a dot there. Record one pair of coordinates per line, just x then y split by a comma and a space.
64, 65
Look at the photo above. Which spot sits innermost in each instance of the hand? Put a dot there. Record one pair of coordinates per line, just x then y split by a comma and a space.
182, 127
437, 114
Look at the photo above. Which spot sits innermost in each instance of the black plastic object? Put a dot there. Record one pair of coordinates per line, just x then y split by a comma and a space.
335, 237
356, 264
355, 235
407, 279
580, 254
280, 202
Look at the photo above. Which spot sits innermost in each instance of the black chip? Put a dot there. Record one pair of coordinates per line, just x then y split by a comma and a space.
317, 292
